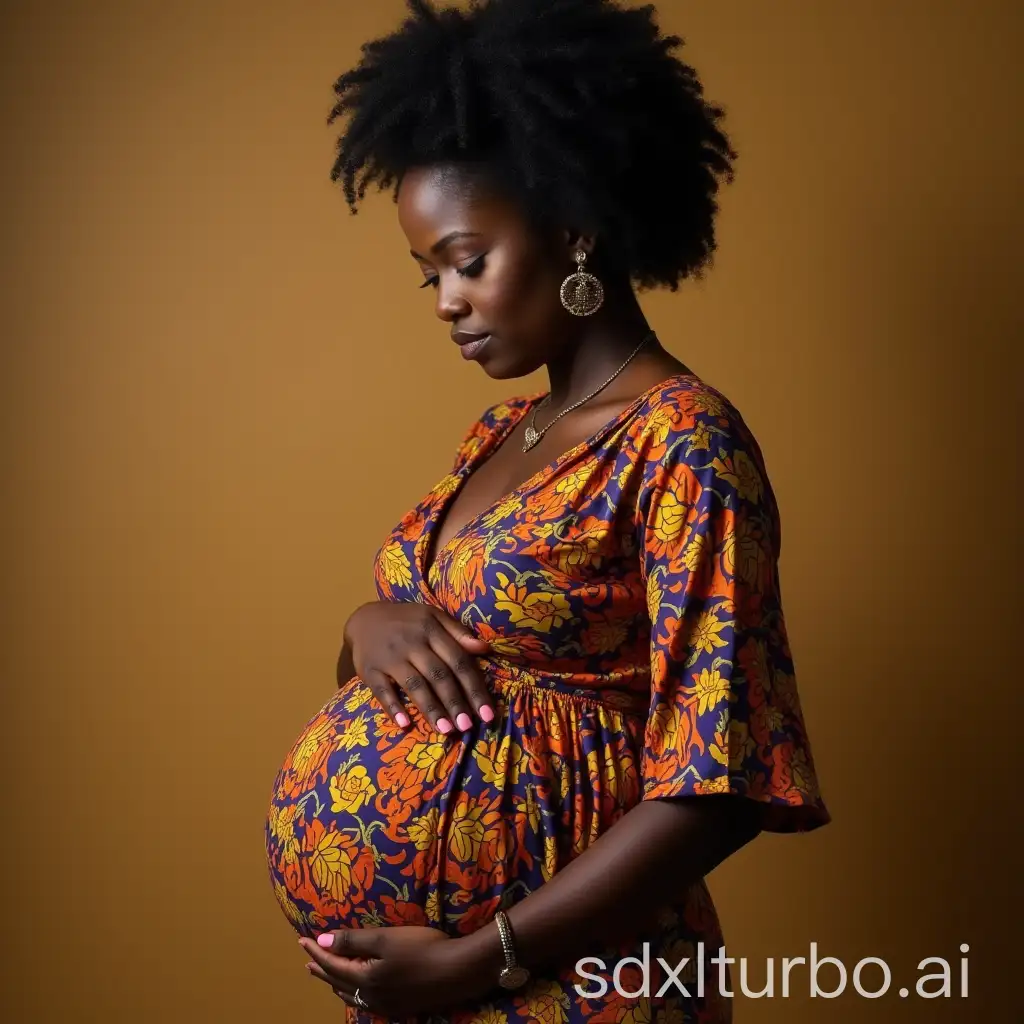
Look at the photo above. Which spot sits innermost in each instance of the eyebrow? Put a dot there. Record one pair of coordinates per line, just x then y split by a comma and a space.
442, 243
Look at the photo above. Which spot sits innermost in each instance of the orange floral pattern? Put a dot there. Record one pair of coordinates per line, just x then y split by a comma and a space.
630, 593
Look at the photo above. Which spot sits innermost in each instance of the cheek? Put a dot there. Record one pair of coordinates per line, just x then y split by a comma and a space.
521, 291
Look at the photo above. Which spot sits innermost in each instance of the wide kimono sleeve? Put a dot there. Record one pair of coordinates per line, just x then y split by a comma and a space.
725, 715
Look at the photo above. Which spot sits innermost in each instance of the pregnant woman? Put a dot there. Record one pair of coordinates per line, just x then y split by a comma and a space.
575, 696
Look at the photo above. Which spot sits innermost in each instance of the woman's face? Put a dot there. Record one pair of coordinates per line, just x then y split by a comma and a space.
496, 280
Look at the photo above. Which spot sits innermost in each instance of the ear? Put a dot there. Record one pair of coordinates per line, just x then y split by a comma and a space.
573, 239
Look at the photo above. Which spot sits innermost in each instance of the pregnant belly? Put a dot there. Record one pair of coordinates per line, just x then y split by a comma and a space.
373, 824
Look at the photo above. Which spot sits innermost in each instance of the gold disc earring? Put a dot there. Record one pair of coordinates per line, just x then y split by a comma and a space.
582, 293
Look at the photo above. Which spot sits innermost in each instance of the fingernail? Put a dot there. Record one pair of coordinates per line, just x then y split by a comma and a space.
310, 966
464, 722
325, 940
402, 719
486, 713
444, 726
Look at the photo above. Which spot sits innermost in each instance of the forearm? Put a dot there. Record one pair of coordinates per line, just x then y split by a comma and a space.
616, 887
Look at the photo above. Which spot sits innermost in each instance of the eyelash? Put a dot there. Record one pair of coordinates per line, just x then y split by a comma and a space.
474, 269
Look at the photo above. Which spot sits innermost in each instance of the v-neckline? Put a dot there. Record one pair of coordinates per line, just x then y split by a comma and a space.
428, 555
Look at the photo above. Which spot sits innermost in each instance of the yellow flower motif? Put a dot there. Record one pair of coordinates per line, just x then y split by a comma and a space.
719, 753
538, 610
282, 829
749, 481
331, 866
511, 504
358, 697
705, 633
550, 863
606, 772
740, 471
564, 780
287, 905
710, 689
433, 906
704, 401
448, 485
570, 485
395, 565
541, 531
669, 518
803, 777
351, 789
700, 438
575, 553
532, 809
695, 552
719, 784
355, 734
659, 423
653, 599
504, 768
461, 567
547, 1003
554, 730
304, 760
425, 755
467, 831
423, 831
639, 1012
504, 645
664, 726
488, 1015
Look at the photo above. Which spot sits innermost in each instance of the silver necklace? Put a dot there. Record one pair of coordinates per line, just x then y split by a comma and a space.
533, 435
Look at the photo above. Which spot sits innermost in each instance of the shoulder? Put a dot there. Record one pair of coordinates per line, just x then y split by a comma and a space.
690, 434
686, 407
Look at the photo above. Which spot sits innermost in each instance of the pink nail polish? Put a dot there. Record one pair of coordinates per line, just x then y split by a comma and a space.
486, 713
444, 726
325, 940
464, 722
402, 719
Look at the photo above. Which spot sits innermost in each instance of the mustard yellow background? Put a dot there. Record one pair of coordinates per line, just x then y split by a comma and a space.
219, 391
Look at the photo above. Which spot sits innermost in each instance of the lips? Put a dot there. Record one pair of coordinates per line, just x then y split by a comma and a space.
465, 338
470, 344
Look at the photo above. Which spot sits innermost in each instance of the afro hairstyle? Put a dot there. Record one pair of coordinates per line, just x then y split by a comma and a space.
578, 109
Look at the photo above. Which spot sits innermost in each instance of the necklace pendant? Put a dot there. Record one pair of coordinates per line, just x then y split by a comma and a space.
530, 438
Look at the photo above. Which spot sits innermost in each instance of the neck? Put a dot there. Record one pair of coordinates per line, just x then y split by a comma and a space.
597, 352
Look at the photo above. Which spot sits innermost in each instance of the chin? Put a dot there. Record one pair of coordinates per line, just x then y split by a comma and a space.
502, 367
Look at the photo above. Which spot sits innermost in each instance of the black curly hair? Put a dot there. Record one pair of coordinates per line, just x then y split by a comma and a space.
576, 108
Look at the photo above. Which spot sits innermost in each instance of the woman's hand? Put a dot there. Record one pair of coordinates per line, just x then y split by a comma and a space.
400, 971
425, 652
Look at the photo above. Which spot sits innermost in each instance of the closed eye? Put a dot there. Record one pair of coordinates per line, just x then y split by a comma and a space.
474, 269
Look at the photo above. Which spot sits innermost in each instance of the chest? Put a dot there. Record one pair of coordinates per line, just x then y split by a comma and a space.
509, 469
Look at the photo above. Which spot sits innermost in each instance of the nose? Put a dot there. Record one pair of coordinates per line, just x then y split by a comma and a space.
451, 305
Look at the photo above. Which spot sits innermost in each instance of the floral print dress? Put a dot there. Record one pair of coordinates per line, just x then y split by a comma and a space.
630, 593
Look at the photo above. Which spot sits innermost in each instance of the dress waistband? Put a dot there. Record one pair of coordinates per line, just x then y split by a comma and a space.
509, 677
